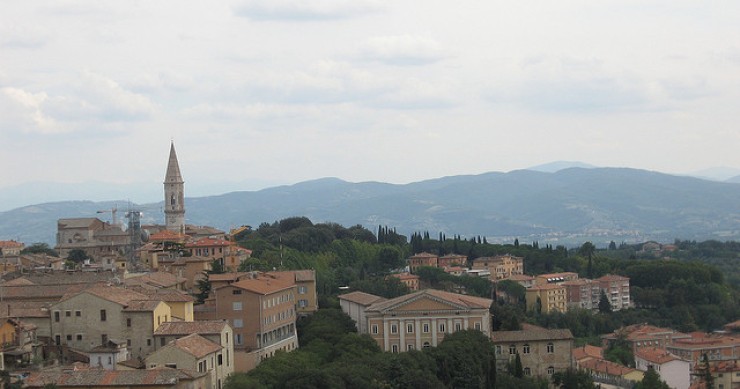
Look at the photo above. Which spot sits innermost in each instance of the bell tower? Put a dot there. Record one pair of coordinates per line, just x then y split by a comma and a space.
174, 195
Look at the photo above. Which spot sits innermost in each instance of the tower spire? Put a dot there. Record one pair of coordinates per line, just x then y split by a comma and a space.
174, 194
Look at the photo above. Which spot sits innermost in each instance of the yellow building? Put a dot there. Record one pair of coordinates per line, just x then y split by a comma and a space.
547, 298
501, 266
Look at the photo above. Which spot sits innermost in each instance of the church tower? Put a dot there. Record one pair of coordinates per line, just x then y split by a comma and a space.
174, 195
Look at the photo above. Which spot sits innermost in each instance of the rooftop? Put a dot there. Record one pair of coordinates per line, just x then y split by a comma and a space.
361, 298
202, 327
531, 335
102, 378
655, 355
462, 300
195, 345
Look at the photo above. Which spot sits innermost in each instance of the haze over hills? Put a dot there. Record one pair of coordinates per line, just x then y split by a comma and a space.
565, 207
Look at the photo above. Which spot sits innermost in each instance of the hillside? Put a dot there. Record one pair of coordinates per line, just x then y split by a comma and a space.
567, 206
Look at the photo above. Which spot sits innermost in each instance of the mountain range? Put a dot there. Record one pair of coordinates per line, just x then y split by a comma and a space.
568, 206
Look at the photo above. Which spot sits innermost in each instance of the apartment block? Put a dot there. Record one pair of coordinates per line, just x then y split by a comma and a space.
543, 352
547, 298
501, 266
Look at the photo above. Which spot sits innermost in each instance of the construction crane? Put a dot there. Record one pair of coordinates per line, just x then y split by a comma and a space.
112, 211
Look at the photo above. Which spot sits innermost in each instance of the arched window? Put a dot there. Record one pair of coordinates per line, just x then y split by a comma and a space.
427, 345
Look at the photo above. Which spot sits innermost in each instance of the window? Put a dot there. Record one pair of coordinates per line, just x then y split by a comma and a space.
498, 350
220, 359
58, 340
527, 371
79, 337
442, 327
149, 342
128, 322
550, 348
375, 328
171, 365
236, 305
78, 313
56, 316
409, 328
104, 338
238, 323
69, 338
103, 315
427, 345
550, 370
128, 342
302, 303
477, 326
409, 347
394, 329
394, 348
512, 349
162, 341
238, 339
302, 290
236, 291
458, 326
68, 313
525, 349
425, 327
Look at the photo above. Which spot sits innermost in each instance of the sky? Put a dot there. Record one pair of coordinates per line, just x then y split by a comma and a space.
259, 93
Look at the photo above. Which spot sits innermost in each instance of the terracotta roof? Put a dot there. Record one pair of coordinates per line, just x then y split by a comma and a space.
10, 244
606, 367
655, 355
423, 255
462, 300
361, 298
195, 345
158, 278
294, 275
208, 242
100, 378
405, 276
80, 222
612, 277
18, 282
227, 276
142, 305
588, 351
167, 236
531, 335
202, 327
520, 277
167, 295
637, 332
115, 294
264, 284
25, 309
61, 277
40, 292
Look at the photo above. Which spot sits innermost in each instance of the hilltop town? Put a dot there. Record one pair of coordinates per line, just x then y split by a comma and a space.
115, 305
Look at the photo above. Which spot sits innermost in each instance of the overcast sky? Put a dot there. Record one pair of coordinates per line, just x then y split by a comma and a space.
281, 91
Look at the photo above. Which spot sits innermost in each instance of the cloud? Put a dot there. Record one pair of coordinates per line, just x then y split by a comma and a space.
90, 101
299, 10
15, 36
403, 50
22, 111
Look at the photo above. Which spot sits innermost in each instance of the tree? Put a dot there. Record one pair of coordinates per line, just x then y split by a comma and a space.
204, 287
651, 380
216, 267
77, 256
573, 379
40, 248
604, 305
587, 250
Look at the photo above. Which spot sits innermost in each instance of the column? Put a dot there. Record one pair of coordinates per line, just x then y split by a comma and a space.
402, 334
386, 347
465, 323
434, 332
417, 323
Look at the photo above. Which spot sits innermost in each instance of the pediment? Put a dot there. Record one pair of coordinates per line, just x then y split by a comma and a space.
425, 304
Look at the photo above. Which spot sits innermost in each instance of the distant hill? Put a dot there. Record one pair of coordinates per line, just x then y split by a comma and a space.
733, 180
565, 207
553, 167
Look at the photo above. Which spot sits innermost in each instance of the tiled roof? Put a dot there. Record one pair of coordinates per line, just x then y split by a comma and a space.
405, 276
202, 327
587, 351
264, 284
80, 222
361, 298
531, 335
195, 345
469, 302
102, 378
142, 305
19, 282
25, 309
10, 244
157, 278
612, 277
655, 355
40, 292
606, 367
424, 255
167, 236
60, 277
208, 242
167, 295
520, 277
115, 294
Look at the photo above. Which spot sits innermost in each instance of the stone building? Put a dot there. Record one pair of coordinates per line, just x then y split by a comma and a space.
501, 266
542, 352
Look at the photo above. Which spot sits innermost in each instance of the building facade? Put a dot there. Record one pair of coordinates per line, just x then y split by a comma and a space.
421, 319
501, 266
542, 352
